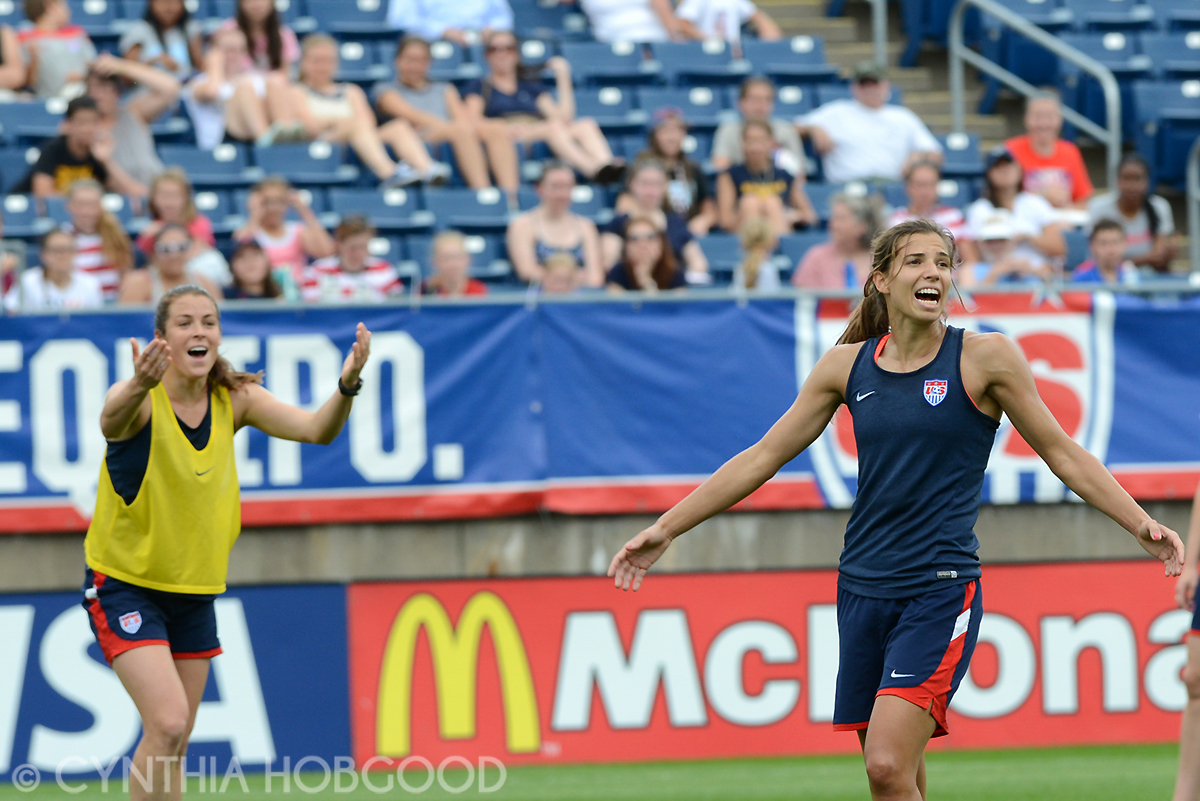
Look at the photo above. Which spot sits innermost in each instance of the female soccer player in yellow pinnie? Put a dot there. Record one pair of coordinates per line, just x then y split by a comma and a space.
168, 512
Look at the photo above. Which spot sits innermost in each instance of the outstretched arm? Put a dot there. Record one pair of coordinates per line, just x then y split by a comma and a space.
1010, 383
800, 425
272, 416
127, 405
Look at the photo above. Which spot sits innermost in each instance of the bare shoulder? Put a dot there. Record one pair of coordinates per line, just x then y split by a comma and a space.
990, 351
832, 370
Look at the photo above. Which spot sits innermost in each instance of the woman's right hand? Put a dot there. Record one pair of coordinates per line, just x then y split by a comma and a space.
629, 566
150, 364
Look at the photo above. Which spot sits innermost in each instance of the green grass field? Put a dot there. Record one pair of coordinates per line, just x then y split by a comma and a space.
1126, 773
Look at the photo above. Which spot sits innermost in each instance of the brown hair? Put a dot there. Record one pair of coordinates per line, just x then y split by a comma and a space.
36, 9
353, 225
314, 40
410, 41
755, 80
222, 374
272, 27
114, 242
1105, 224
664, 269
870, 319
179, 177
270, 285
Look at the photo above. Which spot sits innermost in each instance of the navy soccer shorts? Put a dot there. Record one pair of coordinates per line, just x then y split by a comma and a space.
915, 648
125, 616
1194, 631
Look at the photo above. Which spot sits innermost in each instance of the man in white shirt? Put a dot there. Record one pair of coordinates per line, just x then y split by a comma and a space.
864, 138
636, 21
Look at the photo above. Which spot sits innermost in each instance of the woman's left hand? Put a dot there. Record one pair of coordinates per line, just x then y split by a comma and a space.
1163, 544
357, 358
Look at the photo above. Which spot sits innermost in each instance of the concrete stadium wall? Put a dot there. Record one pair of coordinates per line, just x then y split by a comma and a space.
560, 545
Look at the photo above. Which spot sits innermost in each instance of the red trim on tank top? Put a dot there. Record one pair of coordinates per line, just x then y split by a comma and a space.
879, 348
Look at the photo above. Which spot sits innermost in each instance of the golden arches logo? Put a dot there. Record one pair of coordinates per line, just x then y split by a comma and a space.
455, 666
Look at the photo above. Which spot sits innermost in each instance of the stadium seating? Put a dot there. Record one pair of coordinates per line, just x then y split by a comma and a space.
586, 200
30, 123
392, 211
487, 263
14, 166
469, 209
1173, 55
1116, 50
603, 64
699, 63
218, 207
22, 219
701, 105
1166, 122
961, 156
317, 163
724, 253
358, 19
800, 59
1121, 15
794, 247
790, 101
359, 63
612, 107
226, 165
1176, 15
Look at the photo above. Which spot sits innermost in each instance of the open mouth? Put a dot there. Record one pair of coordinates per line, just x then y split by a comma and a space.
198, 352
929, 297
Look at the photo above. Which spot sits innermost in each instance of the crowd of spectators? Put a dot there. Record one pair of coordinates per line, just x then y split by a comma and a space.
251, 80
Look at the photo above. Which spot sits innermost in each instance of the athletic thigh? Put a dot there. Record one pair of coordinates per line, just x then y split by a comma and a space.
864, 626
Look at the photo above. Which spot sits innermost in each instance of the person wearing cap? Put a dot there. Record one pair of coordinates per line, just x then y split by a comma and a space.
999, 261
1053, 167
865, 137
687, 187
1036, 228
756, 102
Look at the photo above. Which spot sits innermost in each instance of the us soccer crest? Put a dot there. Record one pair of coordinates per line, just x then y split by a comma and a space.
935, 391
131, 622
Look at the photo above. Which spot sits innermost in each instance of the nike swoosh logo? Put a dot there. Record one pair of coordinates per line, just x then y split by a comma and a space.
209, 470
896, 675
867, 395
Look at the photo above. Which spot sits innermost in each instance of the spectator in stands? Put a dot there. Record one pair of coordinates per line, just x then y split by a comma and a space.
230, 102
12, 257
866, 138
1053, 167
79, 152
254, 279
463, 22
526, 109
451, 268
1146, 219
127, 122
687, 186
340, 113
13, 73
1000, 260
1108, 264
166, 270
56, 284
436, 110
756, 188
757, 269
756, 102
273, 45
724, 19
352, 274
166, 37
172, 201
57, 52
102, 248
635, 21
288, 244
562, 274
844, 262
551, 227
1036, 229
647, 263
921, 181
647, 195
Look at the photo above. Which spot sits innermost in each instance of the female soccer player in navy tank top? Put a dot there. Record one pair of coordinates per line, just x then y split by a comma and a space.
926, 399
168, 511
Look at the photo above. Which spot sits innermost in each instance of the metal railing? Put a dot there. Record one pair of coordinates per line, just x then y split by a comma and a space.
879, 24
1193, 204
1110, 135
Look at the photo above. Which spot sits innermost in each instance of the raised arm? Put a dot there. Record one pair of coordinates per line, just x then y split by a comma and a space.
261, 409
161, 89
127, 404
1010, 384
819, 398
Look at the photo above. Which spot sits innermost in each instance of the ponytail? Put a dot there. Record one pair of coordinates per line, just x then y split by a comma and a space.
114, 242
758, 243
222, 373
870, 318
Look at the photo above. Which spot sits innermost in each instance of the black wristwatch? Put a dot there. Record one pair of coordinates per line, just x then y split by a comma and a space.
349, 392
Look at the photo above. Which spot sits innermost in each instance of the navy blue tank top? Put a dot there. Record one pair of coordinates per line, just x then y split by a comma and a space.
923, 446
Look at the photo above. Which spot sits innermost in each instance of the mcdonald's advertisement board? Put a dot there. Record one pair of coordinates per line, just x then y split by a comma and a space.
569, 670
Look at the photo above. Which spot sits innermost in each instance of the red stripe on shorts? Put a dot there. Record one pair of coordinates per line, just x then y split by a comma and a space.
111, 645
211, 652
932, 693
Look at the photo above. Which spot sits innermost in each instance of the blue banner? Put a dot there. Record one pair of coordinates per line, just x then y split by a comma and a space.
588, 407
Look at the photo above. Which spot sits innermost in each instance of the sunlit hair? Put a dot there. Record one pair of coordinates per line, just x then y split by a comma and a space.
447, 238
353, 225
222, 373
179, 178
114, 242
312, 42
870, 319
758, 242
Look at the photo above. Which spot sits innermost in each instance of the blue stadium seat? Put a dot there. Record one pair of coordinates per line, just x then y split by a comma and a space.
31, 123
586, 200
611, 107
449, 61
603, 63
798, 59
1077, 248
790, 101
97, 17
1115, 50
218, 207
388, 248
961, 156
724, 253
701, 63
534, 51
794, 246
314, 196
316, 163
1017, 54
1166, 123
1175, 54
487, 262
629, 145
392, 210
821, 195
15, 164
22, 219
291, 11
358, 63
118, 206
1176, 15
1110, 15
12, 13
701, 105
351, 18
468, 209
224, 166
537, 20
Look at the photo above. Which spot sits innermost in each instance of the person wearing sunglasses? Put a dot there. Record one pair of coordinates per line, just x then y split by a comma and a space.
648, 264
167, 270
520, 102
